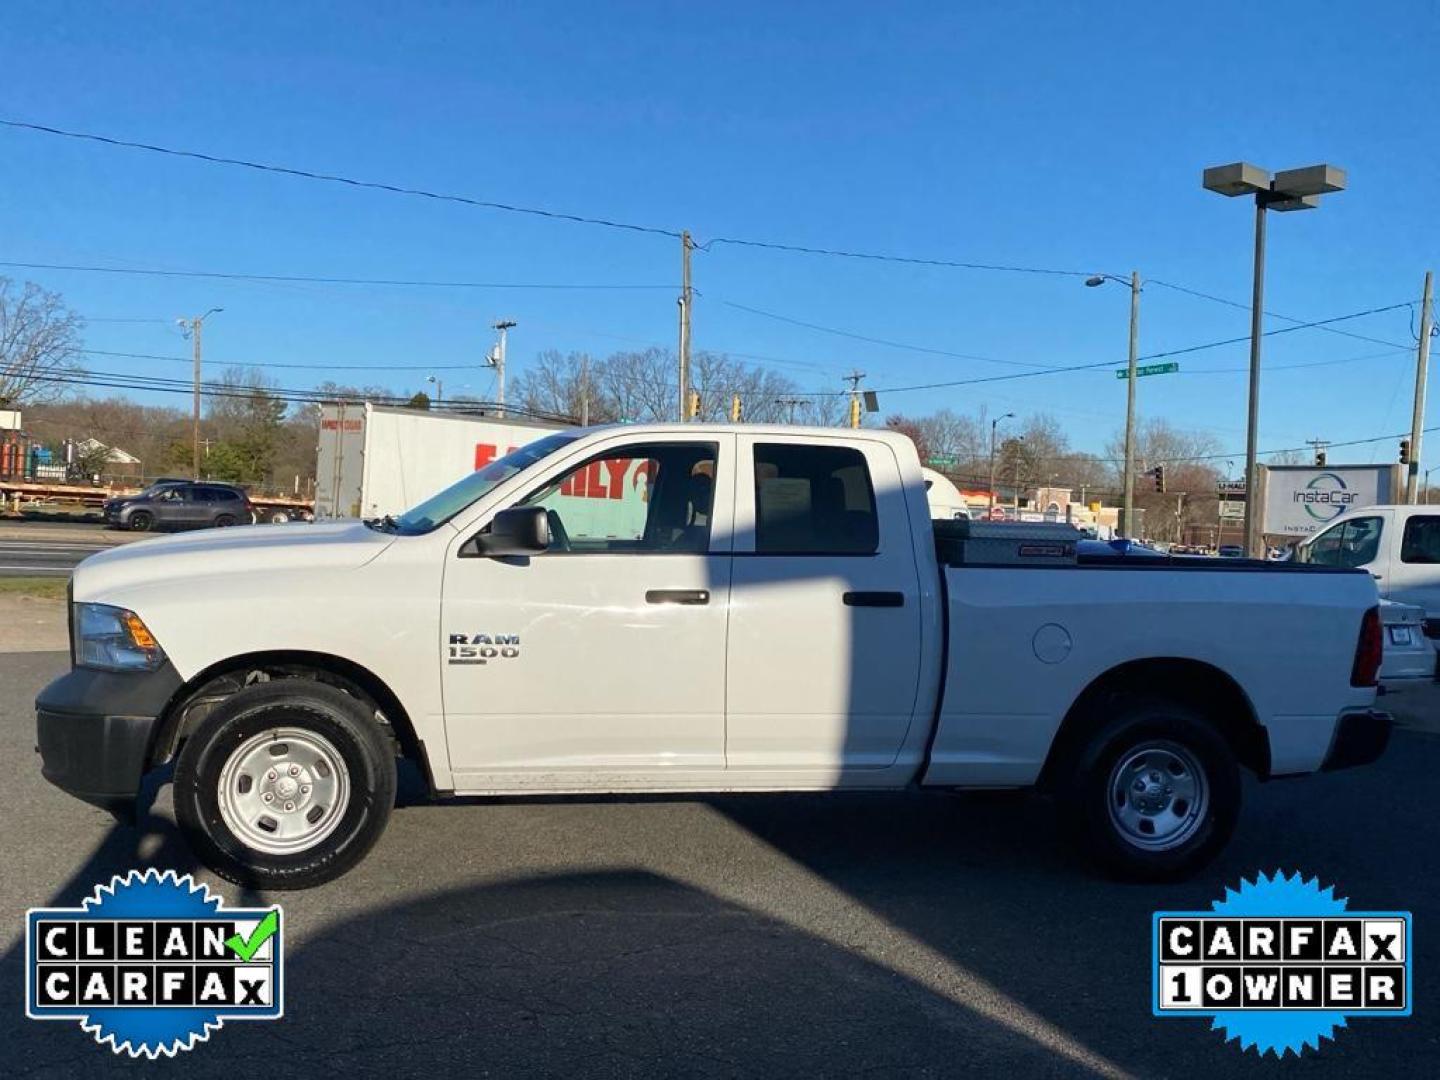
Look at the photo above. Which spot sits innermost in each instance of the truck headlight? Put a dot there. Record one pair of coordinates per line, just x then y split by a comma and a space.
114, 639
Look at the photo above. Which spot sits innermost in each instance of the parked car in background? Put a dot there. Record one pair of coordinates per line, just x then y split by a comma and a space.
173, 504
1231, 551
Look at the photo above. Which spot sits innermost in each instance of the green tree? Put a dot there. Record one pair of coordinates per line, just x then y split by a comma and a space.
247, 416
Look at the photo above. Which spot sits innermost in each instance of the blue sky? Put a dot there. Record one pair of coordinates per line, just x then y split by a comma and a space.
1047, 135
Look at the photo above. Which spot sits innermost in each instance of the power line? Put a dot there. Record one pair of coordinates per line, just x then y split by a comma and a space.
953, 264
1184, 350
298, 367
1269, 314
488, 204
331, 178
309, 280
875, 340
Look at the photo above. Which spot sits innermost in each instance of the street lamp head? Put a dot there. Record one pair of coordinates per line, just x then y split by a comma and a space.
1094, 280
1239, 178
1311, 180
1299, 202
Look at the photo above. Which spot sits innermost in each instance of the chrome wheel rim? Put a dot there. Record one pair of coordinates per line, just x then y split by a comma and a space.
283, 791
1158, 795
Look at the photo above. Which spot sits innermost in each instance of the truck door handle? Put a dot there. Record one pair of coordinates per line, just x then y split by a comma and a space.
678, 596
874, 599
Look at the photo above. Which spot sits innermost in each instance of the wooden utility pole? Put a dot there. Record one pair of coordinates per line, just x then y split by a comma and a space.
585, 390
685, 297
194, 327
854, 380
497, 361
1422, 365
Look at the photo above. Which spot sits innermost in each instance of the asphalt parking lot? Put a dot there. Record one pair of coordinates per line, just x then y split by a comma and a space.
778, 936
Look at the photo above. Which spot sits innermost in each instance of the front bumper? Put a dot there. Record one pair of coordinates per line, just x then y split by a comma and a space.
94, 730
1360, 738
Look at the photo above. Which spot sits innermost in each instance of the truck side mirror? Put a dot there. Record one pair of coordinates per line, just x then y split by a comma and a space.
520, 530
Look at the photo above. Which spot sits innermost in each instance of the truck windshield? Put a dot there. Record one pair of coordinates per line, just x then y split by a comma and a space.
444, 505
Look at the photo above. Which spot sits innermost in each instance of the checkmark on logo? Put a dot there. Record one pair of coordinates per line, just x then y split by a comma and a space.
245, 948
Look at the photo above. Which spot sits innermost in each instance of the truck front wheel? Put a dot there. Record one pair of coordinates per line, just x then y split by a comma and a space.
287, 784
1156, 793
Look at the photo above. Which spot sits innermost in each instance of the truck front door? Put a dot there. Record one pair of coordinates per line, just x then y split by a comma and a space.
825, 621
599, 664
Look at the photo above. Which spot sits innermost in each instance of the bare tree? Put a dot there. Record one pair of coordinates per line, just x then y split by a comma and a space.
39, 341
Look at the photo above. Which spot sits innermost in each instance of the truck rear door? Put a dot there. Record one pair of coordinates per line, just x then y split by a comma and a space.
1415, 574
825, 621
599, 664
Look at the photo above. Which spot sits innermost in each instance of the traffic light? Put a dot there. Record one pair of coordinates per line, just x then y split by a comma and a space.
1160, 479
737, 409
1320, 459
1404, 451
692, 410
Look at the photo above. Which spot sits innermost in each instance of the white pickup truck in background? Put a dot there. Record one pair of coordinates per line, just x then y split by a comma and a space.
696, 608
1399, 546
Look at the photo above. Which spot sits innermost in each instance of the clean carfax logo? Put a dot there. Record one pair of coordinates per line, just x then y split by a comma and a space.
1280, 964
152, 962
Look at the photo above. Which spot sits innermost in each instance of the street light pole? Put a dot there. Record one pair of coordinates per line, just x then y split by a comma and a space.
1131, 380
1293, 189
993, 425
1128, 481
1252, 422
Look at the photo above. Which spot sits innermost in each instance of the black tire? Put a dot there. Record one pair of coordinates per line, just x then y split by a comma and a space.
224, 521
141, 521
346, 723
1155, 722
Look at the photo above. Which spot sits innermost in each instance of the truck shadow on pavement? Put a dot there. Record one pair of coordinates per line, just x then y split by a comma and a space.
919, 934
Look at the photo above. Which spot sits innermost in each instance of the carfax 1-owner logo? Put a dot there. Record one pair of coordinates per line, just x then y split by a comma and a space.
1280, 964
152, 963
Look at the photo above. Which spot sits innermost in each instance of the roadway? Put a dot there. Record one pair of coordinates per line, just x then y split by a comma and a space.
51, 549
914, 935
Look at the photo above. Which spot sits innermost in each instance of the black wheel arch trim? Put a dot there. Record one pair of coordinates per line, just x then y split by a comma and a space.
1185, 679
347, 674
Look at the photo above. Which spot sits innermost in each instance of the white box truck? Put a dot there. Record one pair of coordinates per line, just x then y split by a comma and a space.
375, 460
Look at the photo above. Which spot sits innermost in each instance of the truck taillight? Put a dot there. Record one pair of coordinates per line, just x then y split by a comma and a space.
1369, 650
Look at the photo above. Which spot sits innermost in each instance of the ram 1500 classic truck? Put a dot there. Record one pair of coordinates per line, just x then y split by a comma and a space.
696, 608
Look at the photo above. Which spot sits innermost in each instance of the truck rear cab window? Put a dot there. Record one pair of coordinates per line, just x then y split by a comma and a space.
1421, 542
652, 498
1353, 543
813, 500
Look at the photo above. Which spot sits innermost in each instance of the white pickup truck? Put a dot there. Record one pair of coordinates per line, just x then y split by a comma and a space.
1399, 546
758, 609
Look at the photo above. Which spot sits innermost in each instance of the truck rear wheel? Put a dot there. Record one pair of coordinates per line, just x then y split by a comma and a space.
1156, 793
286, 785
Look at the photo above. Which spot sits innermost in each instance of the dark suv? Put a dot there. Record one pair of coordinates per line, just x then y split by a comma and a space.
180, 505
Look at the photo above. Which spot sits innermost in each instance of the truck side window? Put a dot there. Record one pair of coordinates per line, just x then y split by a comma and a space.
651, 498
1421, 543
813, 500
1354, 543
